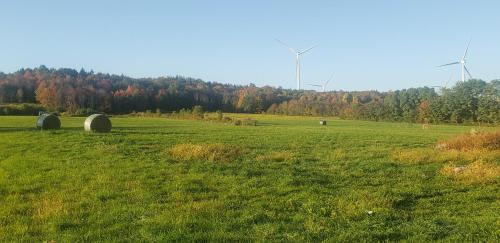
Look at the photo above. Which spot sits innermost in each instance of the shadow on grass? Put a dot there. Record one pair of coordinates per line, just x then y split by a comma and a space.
147, 130
115, 130
17, 129
33, 129
406, 203
409, 201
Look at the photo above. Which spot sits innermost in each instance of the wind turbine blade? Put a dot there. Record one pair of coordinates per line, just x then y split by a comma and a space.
466, 50
316, 85
467, 71
308, 49
328, 81
453, 63
289, 48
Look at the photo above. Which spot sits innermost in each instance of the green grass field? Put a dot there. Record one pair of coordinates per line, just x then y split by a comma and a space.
289, 180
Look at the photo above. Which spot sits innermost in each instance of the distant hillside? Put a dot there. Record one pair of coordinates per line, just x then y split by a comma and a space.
72, 91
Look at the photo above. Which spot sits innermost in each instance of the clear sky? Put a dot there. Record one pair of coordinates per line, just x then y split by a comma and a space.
367, 44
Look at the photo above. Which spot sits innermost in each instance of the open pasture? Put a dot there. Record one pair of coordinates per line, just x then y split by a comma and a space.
286, 179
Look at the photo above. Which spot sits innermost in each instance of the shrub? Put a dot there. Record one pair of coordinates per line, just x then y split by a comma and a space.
219, 115
84, 112
209, 152
248, 122
198, 111
479, 141
245, 122
21, 109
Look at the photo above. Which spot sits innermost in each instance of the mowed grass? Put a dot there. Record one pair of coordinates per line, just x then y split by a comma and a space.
286, 179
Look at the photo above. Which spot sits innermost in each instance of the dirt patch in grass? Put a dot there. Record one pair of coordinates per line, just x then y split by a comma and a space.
213, 152
476, 172
279, 156
475, 141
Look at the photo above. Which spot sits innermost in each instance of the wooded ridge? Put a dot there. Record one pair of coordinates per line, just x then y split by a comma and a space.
72, 91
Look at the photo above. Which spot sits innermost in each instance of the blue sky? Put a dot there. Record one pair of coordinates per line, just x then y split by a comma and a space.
367, 44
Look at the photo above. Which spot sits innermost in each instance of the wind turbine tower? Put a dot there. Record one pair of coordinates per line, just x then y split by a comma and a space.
298, 54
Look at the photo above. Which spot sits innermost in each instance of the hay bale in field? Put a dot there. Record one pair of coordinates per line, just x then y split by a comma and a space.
322, 123
97, 123
48, 121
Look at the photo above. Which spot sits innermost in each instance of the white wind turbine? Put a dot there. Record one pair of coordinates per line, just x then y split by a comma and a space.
443, 87
462, 62
323, 86
297, 54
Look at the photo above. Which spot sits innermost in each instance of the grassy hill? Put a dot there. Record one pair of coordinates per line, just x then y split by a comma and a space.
286, 179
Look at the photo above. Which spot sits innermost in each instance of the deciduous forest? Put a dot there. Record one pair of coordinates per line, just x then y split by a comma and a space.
81, 92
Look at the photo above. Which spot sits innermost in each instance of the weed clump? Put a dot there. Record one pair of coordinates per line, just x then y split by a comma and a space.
424, 156
245, 122
48, 207
463, 149
474, 141
476, 172
412, 156
208, 152
280, 156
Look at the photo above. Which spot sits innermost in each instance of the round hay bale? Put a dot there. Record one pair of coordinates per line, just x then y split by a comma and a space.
97, 123
322, 123
48, 121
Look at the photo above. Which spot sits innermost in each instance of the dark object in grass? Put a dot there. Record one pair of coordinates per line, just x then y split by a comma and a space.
245, 122
48, 121
97, 123
322, 123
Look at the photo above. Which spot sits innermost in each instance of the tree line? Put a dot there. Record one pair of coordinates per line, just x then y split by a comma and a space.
74, 92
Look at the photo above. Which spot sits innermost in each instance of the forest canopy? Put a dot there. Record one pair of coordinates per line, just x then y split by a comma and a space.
71, 91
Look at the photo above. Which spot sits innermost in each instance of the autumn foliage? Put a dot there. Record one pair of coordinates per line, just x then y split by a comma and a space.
67, 90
